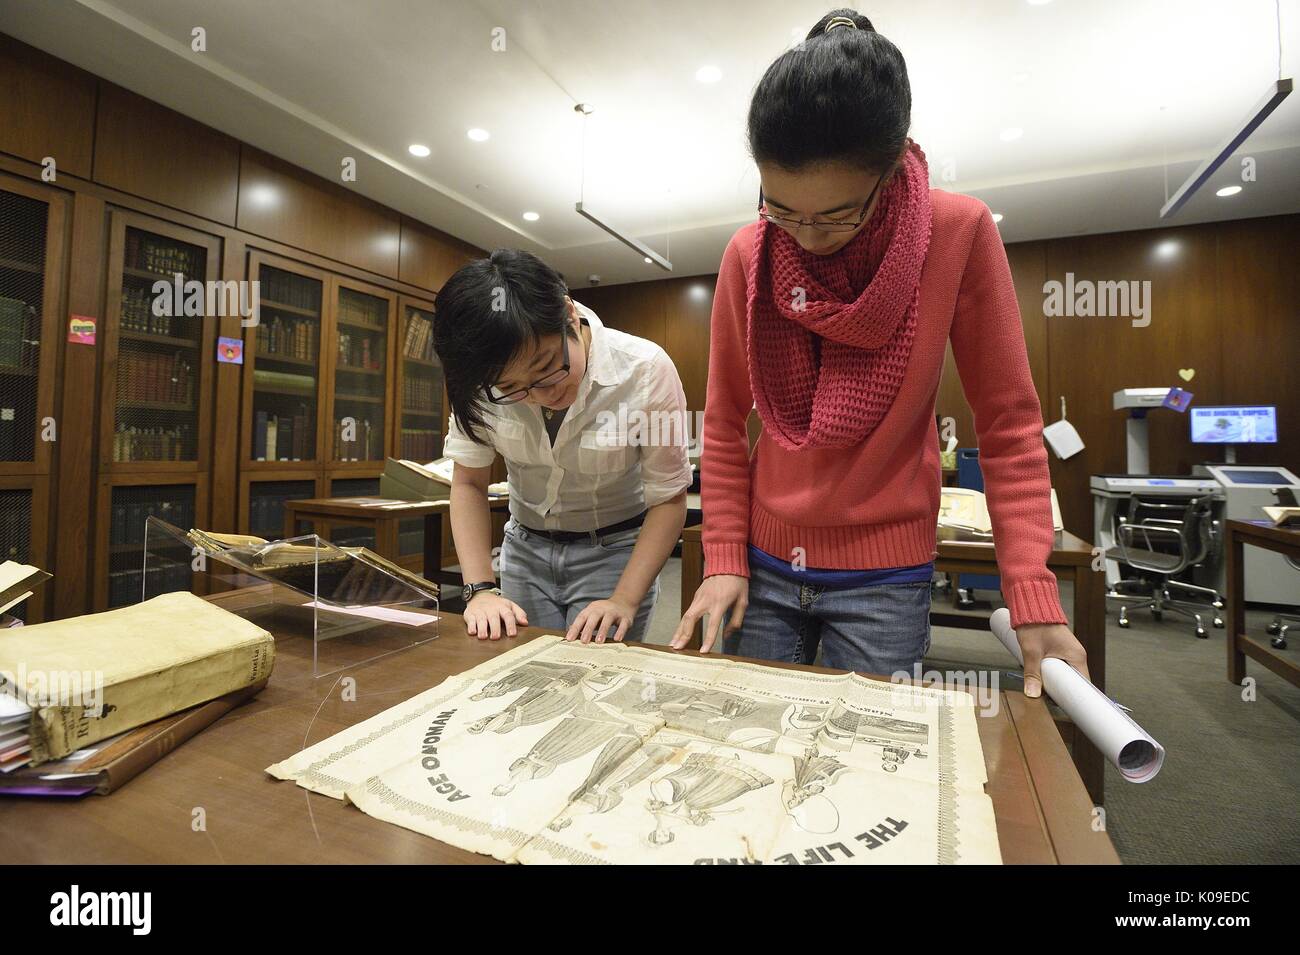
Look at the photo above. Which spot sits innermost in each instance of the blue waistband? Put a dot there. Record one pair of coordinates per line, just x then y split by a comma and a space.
841, 579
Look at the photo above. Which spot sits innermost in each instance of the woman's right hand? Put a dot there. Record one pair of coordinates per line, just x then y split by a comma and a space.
488, 616
718, 595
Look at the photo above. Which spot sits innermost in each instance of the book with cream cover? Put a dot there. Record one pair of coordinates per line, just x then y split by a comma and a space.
88, 678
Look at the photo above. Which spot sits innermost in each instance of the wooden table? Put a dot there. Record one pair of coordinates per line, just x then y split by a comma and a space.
960, 552
322, 513
1240, 644
1043, 813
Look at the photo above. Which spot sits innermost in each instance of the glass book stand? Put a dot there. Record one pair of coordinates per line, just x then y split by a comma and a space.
354, 605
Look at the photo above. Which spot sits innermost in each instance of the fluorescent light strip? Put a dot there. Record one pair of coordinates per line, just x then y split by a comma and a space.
1277, 91
640, 249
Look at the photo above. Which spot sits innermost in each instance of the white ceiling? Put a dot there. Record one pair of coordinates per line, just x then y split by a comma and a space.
1113, 96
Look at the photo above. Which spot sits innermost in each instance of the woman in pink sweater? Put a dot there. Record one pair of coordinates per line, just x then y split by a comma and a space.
831, 317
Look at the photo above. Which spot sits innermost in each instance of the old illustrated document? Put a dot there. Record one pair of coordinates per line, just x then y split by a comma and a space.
558, 752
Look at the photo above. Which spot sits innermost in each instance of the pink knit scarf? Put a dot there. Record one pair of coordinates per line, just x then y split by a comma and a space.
856, 307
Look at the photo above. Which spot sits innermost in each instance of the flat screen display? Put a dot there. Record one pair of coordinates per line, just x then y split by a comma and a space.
1255, 424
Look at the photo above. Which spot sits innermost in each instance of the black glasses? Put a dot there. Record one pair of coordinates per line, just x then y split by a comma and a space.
554, 378
821, 225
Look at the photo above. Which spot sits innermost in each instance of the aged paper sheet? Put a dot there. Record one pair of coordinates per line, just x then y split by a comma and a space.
557, 752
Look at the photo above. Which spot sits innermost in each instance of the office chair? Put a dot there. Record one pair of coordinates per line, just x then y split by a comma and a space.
1278, 628
1167, 541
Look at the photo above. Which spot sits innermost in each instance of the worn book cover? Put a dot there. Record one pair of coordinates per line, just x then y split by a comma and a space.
88, 678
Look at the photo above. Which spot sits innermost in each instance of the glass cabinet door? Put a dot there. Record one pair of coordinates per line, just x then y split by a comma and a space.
286, 366
23, 225
360, 376
421, 398
156, 398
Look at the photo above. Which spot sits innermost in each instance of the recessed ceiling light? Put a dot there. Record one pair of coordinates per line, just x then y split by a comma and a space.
1011, 133
708, 74
478, 135
415, 149
648, 260
531, 216
997, 217
1039, 3
1228, 191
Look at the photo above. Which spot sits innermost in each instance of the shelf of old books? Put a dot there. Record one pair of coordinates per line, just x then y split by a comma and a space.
421, 388
157, 347
33, 262
360, 376
23, 225
16, 534
353, 604
266, 501
130, 506
286, 366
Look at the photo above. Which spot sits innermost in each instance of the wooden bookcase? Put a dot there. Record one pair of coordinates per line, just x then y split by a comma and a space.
34, 237
359, 363
421, 421
156, 393
322, 357
284, 368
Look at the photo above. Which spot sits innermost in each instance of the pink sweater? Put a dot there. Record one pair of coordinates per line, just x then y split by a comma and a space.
877, 505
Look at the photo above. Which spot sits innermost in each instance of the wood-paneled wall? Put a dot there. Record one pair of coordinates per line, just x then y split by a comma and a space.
673, 313
1224, 303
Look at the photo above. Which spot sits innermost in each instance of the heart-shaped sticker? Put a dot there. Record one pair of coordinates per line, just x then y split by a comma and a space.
1187, 374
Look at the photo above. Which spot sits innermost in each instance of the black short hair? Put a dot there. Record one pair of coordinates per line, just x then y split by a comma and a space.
839, 96
484, 316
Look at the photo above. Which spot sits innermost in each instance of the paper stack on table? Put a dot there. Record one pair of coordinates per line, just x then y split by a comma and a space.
15, 746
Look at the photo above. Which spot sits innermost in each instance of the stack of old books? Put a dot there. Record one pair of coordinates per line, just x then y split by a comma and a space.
88, 702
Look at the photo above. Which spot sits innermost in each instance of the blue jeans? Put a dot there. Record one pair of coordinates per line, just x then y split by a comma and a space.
554, 581
879, 629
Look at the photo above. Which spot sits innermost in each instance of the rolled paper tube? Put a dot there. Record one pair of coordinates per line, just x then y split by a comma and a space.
1128, 746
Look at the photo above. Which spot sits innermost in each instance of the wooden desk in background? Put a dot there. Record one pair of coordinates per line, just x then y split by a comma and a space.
323, 513
1043, 813
959, 552
1241, 645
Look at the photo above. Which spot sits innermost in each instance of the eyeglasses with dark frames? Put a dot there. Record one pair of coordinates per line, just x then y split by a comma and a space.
821, 225
554, 378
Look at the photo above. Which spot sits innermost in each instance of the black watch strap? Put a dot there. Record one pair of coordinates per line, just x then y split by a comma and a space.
469, 590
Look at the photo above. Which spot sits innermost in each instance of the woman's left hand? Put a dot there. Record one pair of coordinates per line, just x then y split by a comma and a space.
597, 617
1039, 640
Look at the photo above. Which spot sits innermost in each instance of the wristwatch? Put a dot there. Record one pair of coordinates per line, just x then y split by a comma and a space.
469, 590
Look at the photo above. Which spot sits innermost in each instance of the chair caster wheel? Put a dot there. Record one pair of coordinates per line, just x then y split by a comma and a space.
1200, 633
1123, 622
1278, 643
1273, 629
1218, 622
1217, 605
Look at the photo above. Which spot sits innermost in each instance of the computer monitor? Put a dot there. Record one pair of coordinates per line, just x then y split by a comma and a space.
1240, 424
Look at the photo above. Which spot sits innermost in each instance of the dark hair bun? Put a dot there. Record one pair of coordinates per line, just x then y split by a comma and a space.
859, 21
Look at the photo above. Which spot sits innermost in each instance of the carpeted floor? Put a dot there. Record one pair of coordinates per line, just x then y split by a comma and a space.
1230, 784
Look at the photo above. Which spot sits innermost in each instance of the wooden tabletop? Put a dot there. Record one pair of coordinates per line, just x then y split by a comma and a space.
210, 800
1284, 540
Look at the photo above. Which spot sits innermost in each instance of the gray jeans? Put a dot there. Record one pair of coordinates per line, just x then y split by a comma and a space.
554, 581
